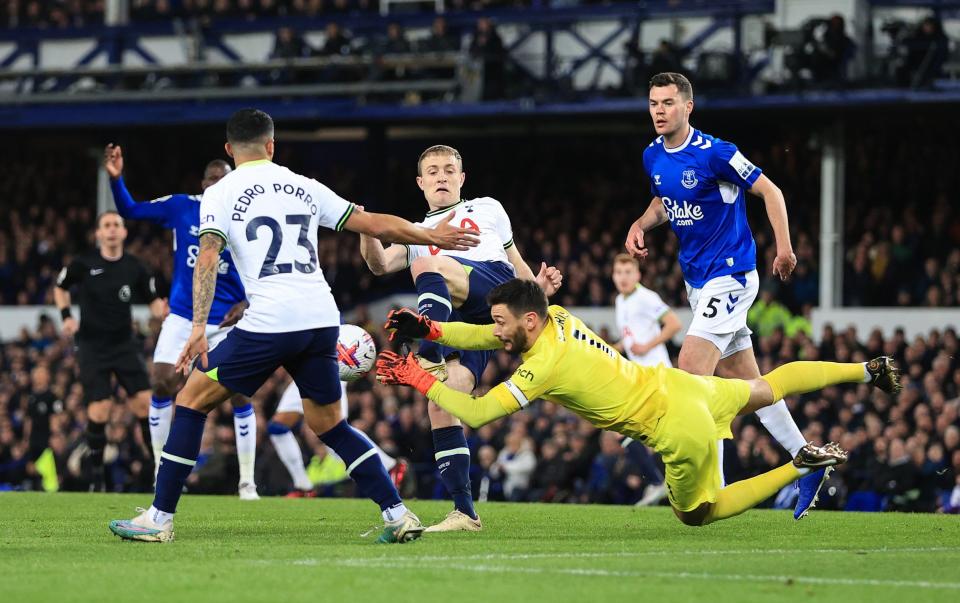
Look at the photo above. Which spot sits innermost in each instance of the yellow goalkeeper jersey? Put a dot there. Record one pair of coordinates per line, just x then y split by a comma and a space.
571, 366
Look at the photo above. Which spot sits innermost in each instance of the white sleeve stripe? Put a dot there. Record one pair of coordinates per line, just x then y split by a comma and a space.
520, 397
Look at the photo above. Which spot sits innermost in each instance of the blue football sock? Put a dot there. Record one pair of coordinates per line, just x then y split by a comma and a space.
433, 301
453, 461
160, 402
274, 428
363, 464
178, 457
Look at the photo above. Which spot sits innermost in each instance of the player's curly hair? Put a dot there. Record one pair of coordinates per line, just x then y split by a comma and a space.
439, 149
520, 296
684, 87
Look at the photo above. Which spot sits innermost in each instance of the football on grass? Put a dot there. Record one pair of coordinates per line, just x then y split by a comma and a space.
356, 352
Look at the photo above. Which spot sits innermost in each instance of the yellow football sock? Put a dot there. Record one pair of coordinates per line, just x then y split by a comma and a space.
740, 496
803, 377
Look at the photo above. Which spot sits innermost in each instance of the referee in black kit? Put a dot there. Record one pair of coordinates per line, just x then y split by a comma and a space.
108, 280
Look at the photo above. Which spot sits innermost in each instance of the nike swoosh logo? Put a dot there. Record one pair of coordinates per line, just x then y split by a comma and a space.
96, 271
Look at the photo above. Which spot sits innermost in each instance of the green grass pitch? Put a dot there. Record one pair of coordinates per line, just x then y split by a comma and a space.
56, 548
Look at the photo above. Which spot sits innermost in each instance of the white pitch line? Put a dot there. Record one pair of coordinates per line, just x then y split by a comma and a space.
503, 569
626, 554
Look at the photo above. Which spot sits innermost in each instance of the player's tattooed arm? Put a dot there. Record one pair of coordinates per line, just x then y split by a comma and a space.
205, 276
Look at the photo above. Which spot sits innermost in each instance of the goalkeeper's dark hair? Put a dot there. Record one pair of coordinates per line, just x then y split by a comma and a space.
249, 126
520, 296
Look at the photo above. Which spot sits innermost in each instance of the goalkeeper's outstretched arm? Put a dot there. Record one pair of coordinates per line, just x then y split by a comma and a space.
475, 411
394, 369
465, 336
406, 325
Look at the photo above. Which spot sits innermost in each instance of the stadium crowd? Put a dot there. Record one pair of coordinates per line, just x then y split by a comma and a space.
896, 254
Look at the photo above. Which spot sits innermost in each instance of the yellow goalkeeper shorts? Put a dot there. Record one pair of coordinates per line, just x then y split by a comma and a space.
699, 412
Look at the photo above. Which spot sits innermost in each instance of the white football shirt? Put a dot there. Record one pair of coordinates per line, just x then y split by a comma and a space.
269, 216
638, 319
486, 216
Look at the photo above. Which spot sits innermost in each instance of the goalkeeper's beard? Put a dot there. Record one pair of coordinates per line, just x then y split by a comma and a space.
518, 342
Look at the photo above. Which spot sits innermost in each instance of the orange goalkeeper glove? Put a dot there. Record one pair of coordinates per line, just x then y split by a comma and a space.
394, 369
406, 325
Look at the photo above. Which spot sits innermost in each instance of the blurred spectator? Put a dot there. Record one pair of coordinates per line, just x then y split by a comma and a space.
440, 39
834, 51
516, 462
59, 14
923, 54
290, 44
614, 477
666, 58
336, 42
487, 47
396, 41
823, 53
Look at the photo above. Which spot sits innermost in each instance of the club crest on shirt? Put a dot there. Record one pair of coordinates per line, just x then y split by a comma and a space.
688, 179
124, 293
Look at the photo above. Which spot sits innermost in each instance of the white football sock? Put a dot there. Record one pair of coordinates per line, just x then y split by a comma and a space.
289, 452
160, 420
246, 429
159, 517
388, 461
394, 513
782, 427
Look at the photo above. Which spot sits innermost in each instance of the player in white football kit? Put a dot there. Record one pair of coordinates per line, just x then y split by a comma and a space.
288, 414
640, 315
699, 182
454, 285
269, 217
645, 324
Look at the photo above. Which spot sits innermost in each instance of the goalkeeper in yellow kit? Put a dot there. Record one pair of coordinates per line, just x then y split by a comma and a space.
679, 415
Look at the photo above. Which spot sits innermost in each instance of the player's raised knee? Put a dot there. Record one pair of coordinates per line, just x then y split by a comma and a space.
432, 263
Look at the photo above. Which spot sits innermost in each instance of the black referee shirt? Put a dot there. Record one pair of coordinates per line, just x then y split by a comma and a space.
107, 288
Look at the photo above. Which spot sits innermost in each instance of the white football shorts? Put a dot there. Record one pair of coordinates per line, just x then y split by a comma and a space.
720, 311
174, 334
291, 401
